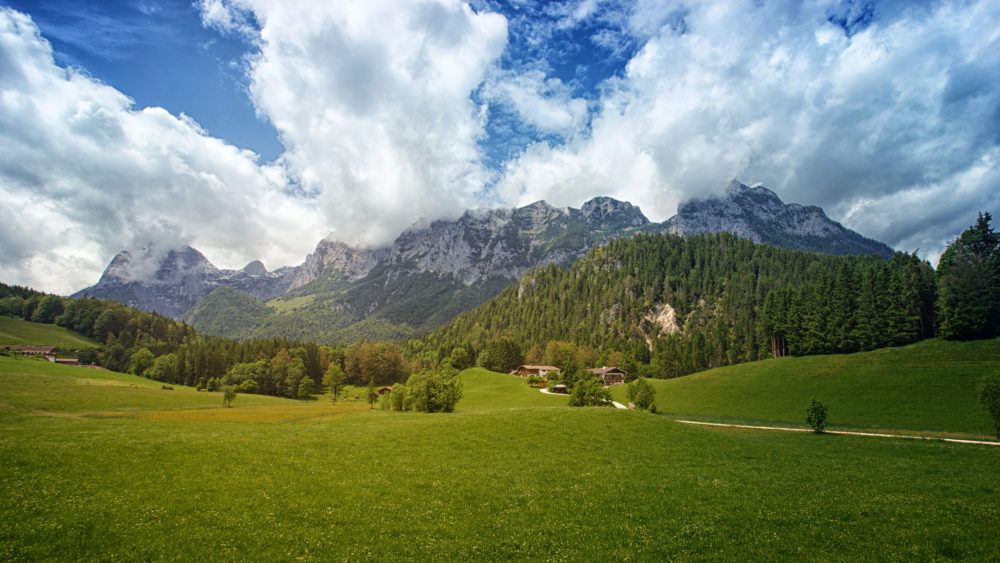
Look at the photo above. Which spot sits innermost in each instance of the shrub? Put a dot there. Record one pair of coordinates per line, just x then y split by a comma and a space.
816, 416
642, 394
588, 392
228, 395
248, 386
989, 398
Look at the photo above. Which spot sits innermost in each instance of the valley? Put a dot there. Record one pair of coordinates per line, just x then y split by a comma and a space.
97, 470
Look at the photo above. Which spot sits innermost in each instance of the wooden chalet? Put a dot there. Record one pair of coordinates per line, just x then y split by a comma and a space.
540, 371
609, 375
383, 390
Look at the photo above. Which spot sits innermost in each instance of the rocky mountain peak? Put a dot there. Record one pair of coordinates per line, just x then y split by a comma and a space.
606, 209
255, 268
758, 214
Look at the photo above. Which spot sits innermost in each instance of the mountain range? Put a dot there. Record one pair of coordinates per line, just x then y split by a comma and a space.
431, 273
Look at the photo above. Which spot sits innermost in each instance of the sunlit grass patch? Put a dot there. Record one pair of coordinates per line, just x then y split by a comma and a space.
927, 388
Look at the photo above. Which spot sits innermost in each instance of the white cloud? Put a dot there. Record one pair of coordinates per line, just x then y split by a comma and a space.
372, 102
543, 103
899, 114
83, 175
893, 129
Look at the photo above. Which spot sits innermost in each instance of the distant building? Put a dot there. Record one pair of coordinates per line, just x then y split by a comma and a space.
540, 371
35, 351
609, 375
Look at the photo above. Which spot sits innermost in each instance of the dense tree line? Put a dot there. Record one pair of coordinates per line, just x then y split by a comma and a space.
729, 301
160, 348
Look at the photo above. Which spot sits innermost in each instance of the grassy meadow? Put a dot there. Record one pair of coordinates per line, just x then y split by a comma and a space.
926, 388
17, 332
94, 469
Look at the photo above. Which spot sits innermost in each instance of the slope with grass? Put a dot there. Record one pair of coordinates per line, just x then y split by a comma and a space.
493, 482
487, 390
23, 333
926, 387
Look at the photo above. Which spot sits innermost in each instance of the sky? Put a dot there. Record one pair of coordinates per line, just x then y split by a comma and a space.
252, 129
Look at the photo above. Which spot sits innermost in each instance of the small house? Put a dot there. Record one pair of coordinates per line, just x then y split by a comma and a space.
609, 375
540, 371
383, 390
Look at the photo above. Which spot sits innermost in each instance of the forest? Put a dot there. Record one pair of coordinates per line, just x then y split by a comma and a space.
655, 305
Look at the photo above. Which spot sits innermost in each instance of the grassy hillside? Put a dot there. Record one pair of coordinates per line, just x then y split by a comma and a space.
929, 386
23, 333
284, 480
486, 390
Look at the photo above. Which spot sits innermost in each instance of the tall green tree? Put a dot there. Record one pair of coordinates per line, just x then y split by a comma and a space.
969, 284
334, 379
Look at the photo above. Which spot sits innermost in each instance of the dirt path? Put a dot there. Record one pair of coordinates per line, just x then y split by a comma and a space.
845, 432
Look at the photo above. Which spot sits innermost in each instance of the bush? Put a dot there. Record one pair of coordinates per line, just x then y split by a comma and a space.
816, 416
228, 395
642, 394
248, 386
435, 391
589, 392
989, 398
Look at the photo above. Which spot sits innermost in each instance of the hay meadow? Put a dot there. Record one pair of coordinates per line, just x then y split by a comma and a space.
104, 466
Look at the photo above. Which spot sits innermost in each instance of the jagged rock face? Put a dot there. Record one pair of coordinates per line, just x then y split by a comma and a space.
759, 215
173, 282
336, 260
507, 242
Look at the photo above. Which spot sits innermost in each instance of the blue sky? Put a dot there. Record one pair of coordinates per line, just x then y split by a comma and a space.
251, 129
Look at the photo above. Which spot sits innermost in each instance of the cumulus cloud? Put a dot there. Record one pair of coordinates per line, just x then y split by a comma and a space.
887, 115
83, 175
372, 102
875, 119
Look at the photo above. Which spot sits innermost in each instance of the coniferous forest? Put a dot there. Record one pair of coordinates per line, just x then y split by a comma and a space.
679, 305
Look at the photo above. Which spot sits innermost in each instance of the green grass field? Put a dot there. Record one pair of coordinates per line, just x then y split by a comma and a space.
927, 388
23, 333
93, 469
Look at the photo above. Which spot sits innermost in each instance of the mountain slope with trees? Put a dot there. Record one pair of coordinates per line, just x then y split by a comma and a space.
667, 306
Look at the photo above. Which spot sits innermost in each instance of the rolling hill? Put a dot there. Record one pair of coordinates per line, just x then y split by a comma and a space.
928, 387
24, 333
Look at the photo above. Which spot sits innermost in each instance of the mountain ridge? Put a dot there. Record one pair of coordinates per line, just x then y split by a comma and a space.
434, 271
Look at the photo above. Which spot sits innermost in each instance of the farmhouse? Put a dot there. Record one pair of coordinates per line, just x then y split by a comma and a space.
44, 351
540, 371
609, 375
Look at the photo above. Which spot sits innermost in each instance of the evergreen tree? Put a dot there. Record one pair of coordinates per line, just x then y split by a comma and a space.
969, 284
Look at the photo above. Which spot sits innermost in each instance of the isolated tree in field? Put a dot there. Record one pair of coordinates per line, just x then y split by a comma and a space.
228, 395
372, 395
334, 378
989, 398
816, 416
589, 392
969, 284
642, 394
